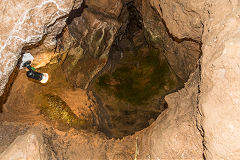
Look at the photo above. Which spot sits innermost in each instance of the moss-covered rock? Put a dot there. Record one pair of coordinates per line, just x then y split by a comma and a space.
56, 110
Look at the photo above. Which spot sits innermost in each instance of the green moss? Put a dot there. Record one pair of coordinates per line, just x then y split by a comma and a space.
54, 108
139, 81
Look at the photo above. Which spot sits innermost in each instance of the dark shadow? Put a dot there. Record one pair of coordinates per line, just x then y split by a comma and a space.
4, 96
76, 13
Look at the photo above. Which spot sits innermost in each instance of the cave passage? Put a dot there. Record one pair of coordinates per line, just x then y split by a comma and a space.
125, 96
134, 81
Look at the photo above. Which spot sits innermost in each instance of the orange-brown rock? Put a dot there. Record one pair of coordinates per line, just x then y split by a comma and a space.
183, 18
182, 55
110, 7
28, 146
92, 36
174, 134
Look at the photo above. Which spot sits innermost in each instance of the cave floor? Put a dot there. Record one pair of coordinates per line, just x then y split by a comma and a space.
23, 111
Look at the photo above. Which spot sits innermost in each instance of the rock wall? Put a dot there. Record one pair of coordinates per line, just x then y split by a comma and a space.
174, 134
219, 86
182, 54
92, 35
183, 18
220, 93
35, 148
27, 23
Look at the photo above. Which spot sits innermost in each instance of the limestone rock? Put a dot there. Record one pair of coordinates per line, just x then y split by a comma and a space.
183, 18
181, 55
26, 24
9, 132
94, 34
174, 134
111, 7
30, 146
220, 86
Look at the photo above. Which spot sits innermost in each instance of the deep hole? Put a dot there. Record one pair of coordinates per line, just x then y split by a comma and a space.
131, 86
129, 90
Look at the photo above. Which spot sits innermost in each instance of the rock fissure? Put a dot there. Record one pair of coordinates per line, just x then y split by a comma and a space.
75, 13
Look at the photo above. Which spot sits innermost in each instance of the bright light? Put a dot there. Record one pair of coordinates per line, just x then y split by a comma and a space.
44, 78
